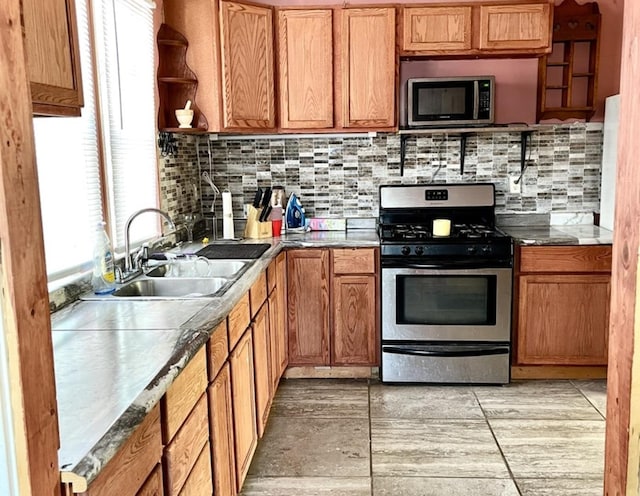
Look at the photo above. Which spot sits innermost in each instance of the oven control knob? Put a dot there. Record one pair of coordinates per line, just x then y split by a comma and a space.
419, 250
405, 250
471, 250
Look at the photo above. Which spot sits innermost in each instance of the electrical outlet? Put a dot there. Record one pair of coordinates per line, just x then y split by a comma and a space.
513, 186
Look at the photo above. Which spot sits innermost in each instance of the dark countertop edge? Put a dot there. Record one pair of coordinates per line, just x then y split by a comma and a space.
197, 331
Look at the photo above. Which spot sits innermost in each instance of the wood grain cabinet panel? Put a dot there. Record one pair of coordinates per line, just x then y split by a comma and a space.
199, 481
239, 320
563, 319
131, 466
436, 28
153, 485
222, 438
217, 349
565, 259
354, 260
262, 367
184, 449
281, 313
246, 33
305, 61
183, 395
368, 67
354, 320
53, 57
518, 26
244, 405
258, 294
308, 306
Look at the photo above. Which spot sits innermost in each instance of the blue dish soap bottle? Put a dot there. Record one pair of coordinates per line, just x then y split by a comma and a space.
103, 280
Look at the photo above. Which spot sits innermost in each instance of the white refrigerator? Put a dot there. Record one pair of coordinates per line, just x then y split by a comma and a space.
609, 155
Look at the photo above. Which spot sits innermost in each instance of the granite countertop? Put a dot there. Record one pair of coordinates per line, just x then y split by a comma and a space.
559, 235
115, 359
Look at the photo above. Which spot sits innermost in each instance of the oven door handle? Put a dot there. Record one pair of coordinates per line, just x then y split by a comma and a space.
476, 263
502, 350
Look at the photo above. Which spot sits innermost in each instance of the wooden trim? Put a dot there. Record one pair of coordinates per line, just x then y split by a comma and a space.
622, 443
555, 372
23, 283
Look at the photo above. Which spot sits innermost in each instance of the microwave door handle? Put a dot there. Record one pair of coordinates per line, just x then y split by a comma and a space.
476, 99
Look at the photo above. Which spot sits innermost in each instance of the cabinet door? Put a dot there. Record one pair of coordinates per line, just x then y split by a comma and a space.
221, 428
563, 319
308, 306
354, 321
261, 359
244, 405
246, 33
153, 484
368, 67
521, 26
53, 59
281, 313
305, 39
274, 332
434, 29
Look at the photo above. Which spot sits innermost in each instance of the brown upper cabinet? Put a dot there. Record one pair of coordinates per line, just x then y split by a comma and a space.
479, 29
337, 68
246, 34
368, 62
231, 54
53, 57
305, 57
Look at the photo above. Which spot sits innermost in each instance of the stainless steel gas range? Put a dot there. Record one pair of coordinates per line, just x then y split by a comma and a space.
446, 300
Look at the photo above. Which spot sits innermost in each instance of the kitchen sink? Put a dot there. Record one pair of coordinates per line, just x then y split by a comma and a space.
173, 288
215, 268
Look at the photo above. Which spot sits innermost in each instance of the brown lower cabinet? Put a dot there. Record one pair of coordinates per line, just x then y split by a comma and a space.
244, 405
332, 306
562, 311
221, 432
153, 484
262, 367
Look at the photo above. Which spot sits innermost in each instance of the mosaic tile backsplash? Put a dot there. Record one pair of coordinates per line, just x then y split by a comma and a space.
339, 177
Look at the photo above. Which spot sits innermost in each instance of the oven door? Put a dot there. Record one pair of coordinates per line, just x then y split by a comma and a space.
446, 304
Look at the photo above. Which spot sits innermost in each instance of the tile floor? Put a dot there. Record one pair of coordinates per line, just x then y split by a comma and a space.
362, 438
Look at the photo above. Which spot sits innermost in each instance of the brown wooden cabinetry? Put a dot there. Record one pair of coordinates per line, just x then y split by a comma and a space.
261, 362
334, 323
135, 461
278, 319
244, 405
563, 305
476, 29
368, 82
53, 58
308, 306
305, 62
246, 35
153, 485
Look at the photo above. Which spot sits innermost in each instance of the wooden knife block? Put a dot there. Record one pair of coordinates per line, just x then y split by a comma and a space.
254, 228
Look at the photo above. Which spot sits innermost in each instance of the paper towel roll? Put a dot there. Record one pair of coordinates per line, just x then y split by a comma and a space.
227, 216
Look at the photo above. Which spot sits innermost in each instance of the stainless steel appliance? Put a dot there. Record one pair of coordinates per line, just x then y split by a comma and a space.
450, 101
446, 301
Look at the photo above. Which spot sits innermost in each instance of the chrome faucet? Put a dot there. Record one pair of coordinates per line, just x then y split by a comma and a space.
128, 266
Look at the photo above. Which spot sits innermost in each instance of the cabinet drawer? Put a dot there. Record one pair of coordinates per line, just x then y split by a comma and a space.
354, 261
199, 482
565, 258
218, 349
258, 294
271, 276
153, 484
127, 471
183, 451
183, 394
239, 320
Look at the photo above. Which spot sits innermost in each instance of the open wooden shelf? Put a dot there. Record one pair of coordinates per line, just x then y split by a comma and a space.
177, 83
576, 34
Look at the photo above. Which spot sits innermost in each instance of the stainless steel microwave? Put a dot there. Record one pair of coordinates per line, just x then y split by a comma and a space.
450, 101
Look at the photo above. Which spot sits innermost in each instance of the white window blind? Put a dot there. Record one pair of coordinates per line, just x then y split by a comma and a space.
69, 174
127, 87
67, 151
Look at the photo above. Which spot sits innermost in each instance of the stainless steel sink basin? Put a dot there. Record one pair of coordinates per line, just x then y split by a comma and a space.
173, 288
216, 268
